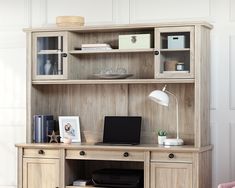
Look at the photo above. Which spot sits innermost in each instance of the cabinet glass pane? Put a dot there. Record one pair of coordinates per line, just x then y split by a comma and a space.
49, 43
175, 52
49, 55
175, 61
49, 64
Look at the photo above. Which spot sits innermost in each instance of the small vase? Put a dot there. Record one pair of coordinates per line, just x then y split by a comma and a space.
48, 67
161, 139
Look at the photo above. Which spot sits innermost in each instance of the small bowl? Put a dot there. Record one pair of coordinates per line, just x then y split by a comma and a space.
67, 140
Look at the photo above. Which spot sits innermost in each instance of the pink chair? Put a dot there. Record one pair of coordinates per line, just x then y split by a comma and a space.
227, 185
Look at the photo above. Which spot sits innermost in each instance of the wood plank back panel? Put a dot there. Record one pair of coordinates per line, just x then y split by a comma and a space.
157, 117
90, 102
93, 102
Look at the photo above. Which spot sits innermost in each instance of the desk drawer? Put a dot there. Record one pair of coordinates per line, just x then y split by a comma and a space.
41, 153
171, 157
105, 155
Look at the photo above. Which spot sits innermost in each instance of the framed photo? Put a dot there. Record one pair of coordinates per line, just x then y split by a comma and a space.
70, 128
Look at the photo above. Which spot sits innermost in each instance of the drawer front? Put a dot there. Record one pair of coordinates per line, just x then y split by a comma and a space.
171, 157
41, 153
105, 155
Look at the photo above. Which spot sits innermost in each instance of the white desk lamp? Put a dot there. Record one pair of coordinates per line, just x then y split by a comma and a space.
161, 97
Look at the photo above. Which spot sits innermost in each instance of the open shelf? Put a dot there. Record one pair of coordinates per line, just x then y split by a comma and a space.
116, 81
111, 51
177, 49
42, 52
71, 186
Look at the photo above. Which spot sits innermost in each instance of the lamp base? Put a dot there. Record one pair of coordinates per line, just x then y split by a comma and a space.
173, 142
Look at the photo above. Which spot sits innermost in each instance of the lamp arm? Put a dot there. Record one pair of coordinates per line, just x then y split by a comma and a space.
177, 113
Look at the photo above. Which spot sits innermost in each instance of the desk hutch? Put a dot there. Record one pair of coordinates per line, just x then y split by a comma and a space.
71, 89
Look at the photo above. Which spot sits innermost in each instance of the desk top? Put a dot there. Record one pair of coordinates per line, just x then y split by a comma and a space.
92, 146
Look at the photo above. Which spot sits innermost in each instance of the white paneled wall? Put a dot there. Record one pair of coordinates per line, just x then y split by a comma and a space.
17, 14
14, 15
162, 10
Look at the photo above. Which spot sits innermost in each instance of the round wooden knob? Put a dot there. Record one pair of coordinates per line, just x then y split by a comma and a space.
41, 152
171, 155
126, 154
82, 153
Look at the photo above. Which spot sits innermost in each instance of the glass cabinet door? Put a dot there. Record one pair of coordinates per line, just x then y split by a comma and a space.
174, 53
49, 56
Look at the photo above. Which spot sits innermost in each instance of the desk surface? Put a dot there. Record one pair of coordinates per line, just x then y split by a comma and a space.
141, 147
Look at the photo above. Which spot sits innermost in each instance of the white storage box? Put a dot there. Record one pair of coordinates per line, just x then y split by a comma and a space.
136, 41
176, 41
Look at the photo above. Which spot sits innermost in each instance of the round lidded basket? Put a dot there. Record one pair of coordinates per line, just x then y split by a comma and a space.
170, 65
69, 21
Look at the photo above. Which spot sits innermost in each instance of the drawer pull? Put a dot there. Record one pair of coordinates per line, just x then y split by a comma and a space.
126, 154
82, 153
156, 52
41, 152
171, 155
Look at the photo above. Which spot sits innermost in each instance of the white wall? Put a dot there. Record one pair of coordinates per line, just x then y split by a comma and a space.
17, 14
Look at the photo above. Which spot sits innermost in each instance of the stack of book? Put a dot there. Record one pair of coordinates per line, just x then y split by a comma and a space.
43, 125
101, 46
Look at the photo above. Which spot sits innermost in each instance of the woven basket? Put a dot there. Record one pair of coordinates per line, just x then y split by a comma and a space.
69, 21
170, 65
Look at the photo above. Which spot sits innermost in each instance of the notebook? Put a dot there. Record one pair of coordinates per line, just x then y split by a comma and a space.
122, 130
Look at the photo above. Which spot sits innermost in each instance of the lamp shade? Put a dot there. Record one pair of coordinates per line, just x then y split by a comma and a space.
159, 97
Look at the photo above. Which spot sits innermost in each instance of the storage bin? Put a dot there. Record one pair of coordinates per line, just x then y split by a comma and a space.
135, 41
176, 41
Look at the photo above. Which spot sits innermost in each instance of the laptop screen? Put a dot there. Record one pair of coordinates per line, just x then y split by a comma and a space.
122, 129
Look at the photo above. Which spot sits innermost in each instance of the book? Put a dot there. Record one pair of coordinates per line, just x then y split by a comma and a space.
82, 182
101, 46
95, 45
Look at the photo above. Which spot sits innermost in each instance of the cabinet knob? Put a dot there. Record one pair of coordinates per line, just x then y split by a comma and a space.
126, 154
156, 52
41, 152
171, 155
82, 153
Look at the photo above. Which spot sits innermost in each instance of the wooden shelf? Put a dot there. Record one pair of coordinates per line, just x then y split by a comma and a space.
71, 186
45, 52
111, 51
175, 50
116, 81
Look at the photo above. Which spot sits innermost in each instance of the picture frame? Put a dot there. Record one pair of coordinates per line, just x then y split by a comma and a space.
70, 128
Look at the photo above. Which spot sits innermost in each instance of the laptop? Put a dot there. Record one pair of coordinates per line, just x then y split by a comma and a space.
121, 130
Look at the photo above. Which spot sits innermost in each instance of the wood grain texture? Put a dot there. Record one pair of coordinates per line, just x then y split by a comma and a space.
178, 157
205, 169
45, 153
156, 117
112, 81
38, 173
29, 89
105, 155
171, 175
90, 102
19, 167
202, 86
100, 28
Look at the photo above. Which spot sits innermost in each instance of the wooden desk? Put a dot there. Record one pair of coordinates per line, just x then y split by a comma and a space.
58, 165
